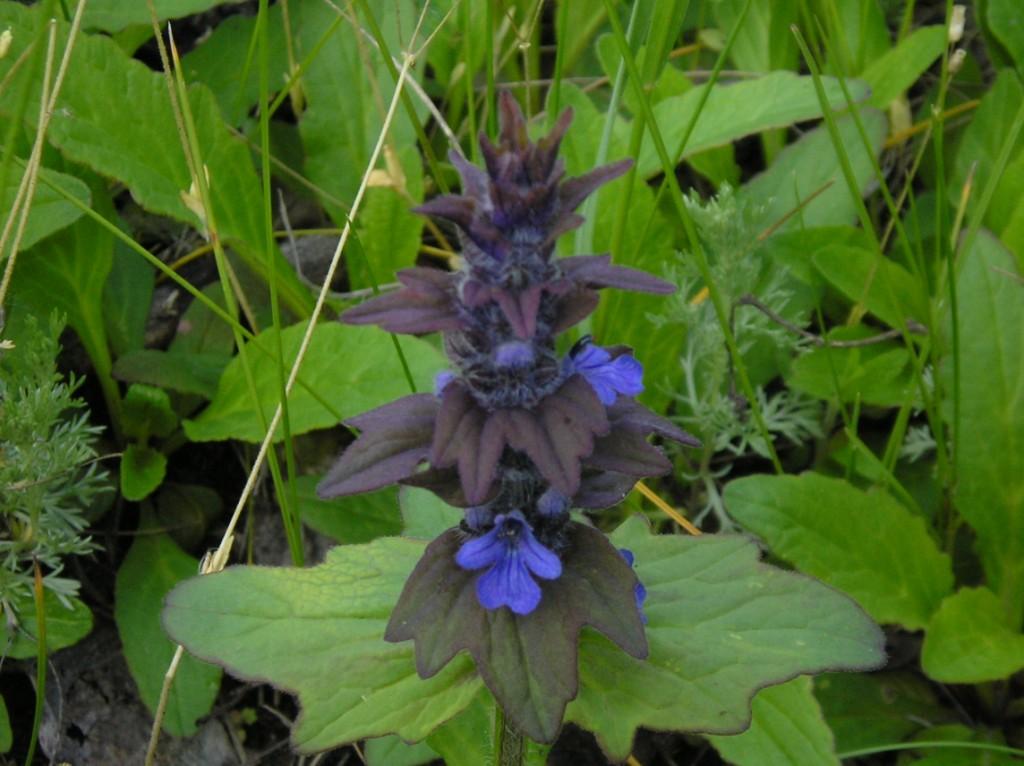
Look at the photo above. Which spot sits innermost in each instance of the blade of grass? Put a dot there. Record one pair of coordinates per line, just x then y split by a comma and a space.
290, 510
694, 240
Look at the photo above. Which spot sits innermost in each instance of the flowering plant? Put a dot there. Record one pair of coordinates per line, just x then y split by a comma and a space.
514, 434
517, 435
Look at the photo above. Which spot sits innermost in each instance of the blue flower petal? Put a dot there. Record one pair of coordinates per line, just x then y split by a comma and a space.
509, 584
481, 551
608, 377
538, 559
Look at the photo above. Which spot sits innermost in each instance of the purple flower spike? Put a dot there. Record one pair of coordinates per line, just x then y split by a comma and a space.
515, 557
608, 376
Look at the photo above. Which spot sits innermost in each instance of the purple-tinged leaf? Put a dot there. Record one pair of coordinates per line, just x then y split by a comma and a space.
395, 440
630, 415
574, 308
572, 192
627, 452
598, 271
528, 662
602, 489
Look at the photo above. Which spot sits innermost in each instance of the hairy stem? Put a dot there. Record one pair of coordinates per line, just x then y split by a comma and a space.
509, 742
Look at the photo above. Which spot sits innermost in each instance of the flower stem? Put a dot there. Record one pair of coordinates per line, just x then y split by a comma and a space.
509, 742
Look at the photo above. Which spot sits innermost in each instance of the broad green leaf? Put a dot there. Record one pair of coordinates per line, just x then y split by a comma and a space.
67, 272
392, 751
883, 286
879, 374
870, 710
810, 165
864, 543
219, 62
389, 232
65, 626
970, 640
744, 625
343, 87
989, 491
353, 369
787, 728
891, 74
356, 519
153, 566
351, 683
6, 734
740, 109
424, 514
115, 15
186, 373
114, 116
957, 733
127, 297
142, 470
721, 625
1004, 22
147, 412
50, 211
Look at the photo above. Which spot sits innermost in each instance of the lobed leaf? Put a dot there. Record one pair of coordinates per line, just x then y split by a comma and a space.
320, 634
721, 626
864, 543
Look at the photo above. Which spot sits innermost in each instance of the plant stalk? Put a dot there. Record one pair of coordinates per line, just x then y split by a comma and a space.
509, 742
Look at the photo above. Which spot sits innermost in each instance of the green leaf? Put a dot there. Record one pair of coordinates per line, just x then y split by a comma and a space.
807, 166
65, 626
355, 519
186, 373
342, 87
50, 212
186, 510
978, 153
891, 74
153, 566
886, 289
721, 626
864, 543
871, 710
424, 514
989, 492
115, 15
67, 272
786, 728
6, 735
1004, 22
114, 116
142, 470
388, 230
970, 640
392, 751
219, 62
468, 740
351, 683
147, 412
127, 296
353, 369
200, 331
879, 374
737, 110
